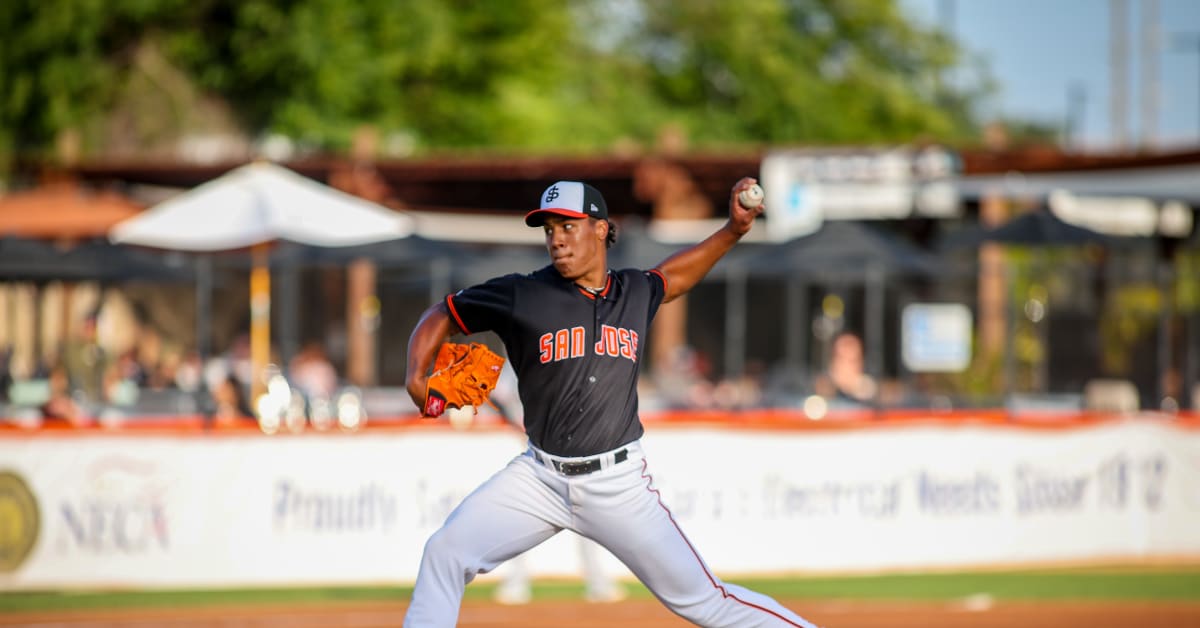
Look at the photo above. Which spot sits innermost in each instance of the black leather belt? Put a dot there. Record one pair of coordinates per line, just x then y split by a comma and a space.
582, 467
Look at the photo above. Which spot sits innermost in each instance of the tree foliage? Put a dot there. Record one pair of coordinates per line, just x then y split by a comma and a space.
533, 75
801, 70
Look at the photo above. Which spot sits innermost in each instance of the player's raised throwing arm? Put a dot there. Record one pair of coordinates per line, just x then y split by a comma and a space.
686, 268
434, 328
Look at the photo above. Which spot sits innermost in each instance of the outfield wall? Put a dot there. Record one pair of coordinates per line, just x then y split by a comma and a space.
199, 510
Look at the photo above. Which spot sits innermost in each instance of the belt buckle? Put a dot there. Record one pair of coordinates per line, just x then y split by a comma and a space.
575, 468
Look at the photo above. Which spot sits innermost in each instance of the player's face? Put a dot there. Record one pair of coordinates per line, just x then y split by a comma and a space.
576, 246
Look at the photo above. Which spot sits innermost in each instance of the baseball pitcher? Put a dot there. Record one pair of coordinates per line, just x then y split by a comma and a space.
575, 332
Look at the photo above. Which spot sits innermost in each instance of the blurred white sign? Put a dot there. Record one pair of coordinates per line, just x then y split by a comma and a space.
805, 187
793, 205
1125, 216
1122, 215
936, 337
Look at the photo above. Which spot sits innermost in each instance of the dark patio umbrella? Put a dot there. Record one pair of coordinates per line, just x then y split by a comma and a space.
92, 260
479, 263
472, 262
410, 251
637, 248
1038, 228
842, 249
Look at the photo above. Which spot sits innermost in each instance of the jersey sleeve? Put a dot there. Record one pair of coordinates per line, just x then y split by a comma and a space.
483, 307
657, 282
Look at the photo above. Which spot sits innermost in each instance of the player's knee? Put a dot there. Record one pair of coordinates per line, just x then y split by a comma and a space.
699, 614
693, 608
440, 544
701, 607
447, 554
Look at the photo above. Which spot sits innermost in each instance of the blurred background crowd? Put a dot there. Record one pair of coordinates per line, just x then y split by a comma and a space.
920, 250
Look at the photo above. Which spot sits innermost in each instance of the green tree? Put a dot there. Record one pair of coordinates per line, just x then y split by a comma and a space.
533, 75
802, 71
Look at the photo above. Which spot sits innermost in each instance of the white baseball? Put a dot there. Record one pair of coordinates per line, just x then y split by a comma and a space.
751, 197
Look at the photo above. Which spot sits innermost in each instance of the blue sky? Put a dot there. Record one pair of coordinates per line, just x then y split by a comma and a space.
1038, 49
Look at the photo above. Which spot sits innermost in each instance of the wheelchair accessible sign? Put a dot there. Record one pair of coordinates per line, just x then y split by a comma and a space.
936, 337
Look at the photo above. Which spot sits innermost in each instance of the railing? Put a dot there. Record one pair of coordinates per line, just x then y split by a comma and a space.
764, 418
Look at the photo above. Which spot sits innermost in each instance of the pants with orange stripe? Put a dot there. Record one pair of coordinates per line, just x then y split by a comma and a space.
528, 502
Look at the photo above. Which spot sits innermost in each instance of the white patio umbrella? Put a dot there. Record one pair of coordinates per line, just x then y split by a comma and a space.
251, 206
258, 203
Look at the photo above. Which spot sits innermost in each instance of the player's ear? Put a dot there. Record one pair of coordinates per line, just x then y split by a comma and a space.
601, 229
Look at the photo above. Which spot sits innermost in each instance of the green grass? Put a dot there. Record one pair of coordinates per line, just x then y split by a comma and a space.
1180, 584
41, 600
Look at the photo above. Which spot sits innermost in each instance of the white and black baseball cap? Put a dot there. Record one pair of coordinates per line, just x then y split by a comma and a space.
572, 199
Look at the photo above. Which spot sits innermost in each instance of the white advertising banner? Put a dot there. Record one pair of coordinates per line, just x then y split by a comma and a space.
200, 511
922, 497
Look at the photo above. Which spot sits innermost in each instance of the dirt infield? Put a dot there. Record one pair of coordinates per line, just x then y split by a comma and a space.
981, 613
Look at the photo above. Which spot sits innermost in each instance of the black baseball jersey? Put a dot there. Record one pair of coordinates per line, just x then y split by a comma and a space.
576, 353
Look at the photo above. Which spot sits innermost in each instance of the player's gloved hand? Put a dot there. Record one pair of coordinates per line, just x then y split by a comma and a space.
463, 375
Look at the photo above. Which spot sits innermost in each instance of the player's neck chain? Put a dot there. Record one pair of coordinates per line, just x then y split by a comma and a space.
597, 290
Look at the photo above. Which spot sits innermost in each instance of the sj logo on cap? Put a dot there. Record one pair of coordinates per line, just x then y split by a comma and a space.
552, 194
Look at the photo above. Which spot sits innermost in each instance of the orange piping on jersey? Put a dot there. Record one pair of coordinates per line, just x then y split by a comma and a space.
660, 276
454, 313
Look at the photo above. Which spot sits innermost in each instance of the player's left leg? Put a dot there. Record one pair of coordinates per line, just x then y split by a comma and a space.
512, 512
621, 510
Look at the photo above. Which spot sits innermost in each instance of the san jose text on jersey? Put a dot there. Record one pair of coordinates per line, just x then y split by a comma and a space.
566, 344
574, 352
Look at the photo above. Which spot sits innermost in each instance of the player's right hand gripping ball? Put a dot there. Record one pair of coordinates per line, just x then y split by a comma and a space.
463, 375
751, 197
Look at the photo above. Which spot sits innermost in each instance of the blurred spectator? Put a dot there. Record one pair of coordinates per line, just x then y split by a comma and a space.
149, 351
188, 374
122, 379
683, 382
61, 406
846, 378
127, 367
650, 401
235, 361
743, 391
86, 361
784, 385
230, 403
312, 373
164, 374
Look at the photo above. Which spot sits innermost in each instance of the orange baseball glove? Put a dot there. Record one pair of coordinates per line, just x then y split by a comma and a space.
463, 375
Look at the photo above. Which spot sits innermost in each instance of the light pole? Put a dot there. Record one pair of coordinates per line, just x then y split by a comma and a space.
1073, 127
1190, 42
